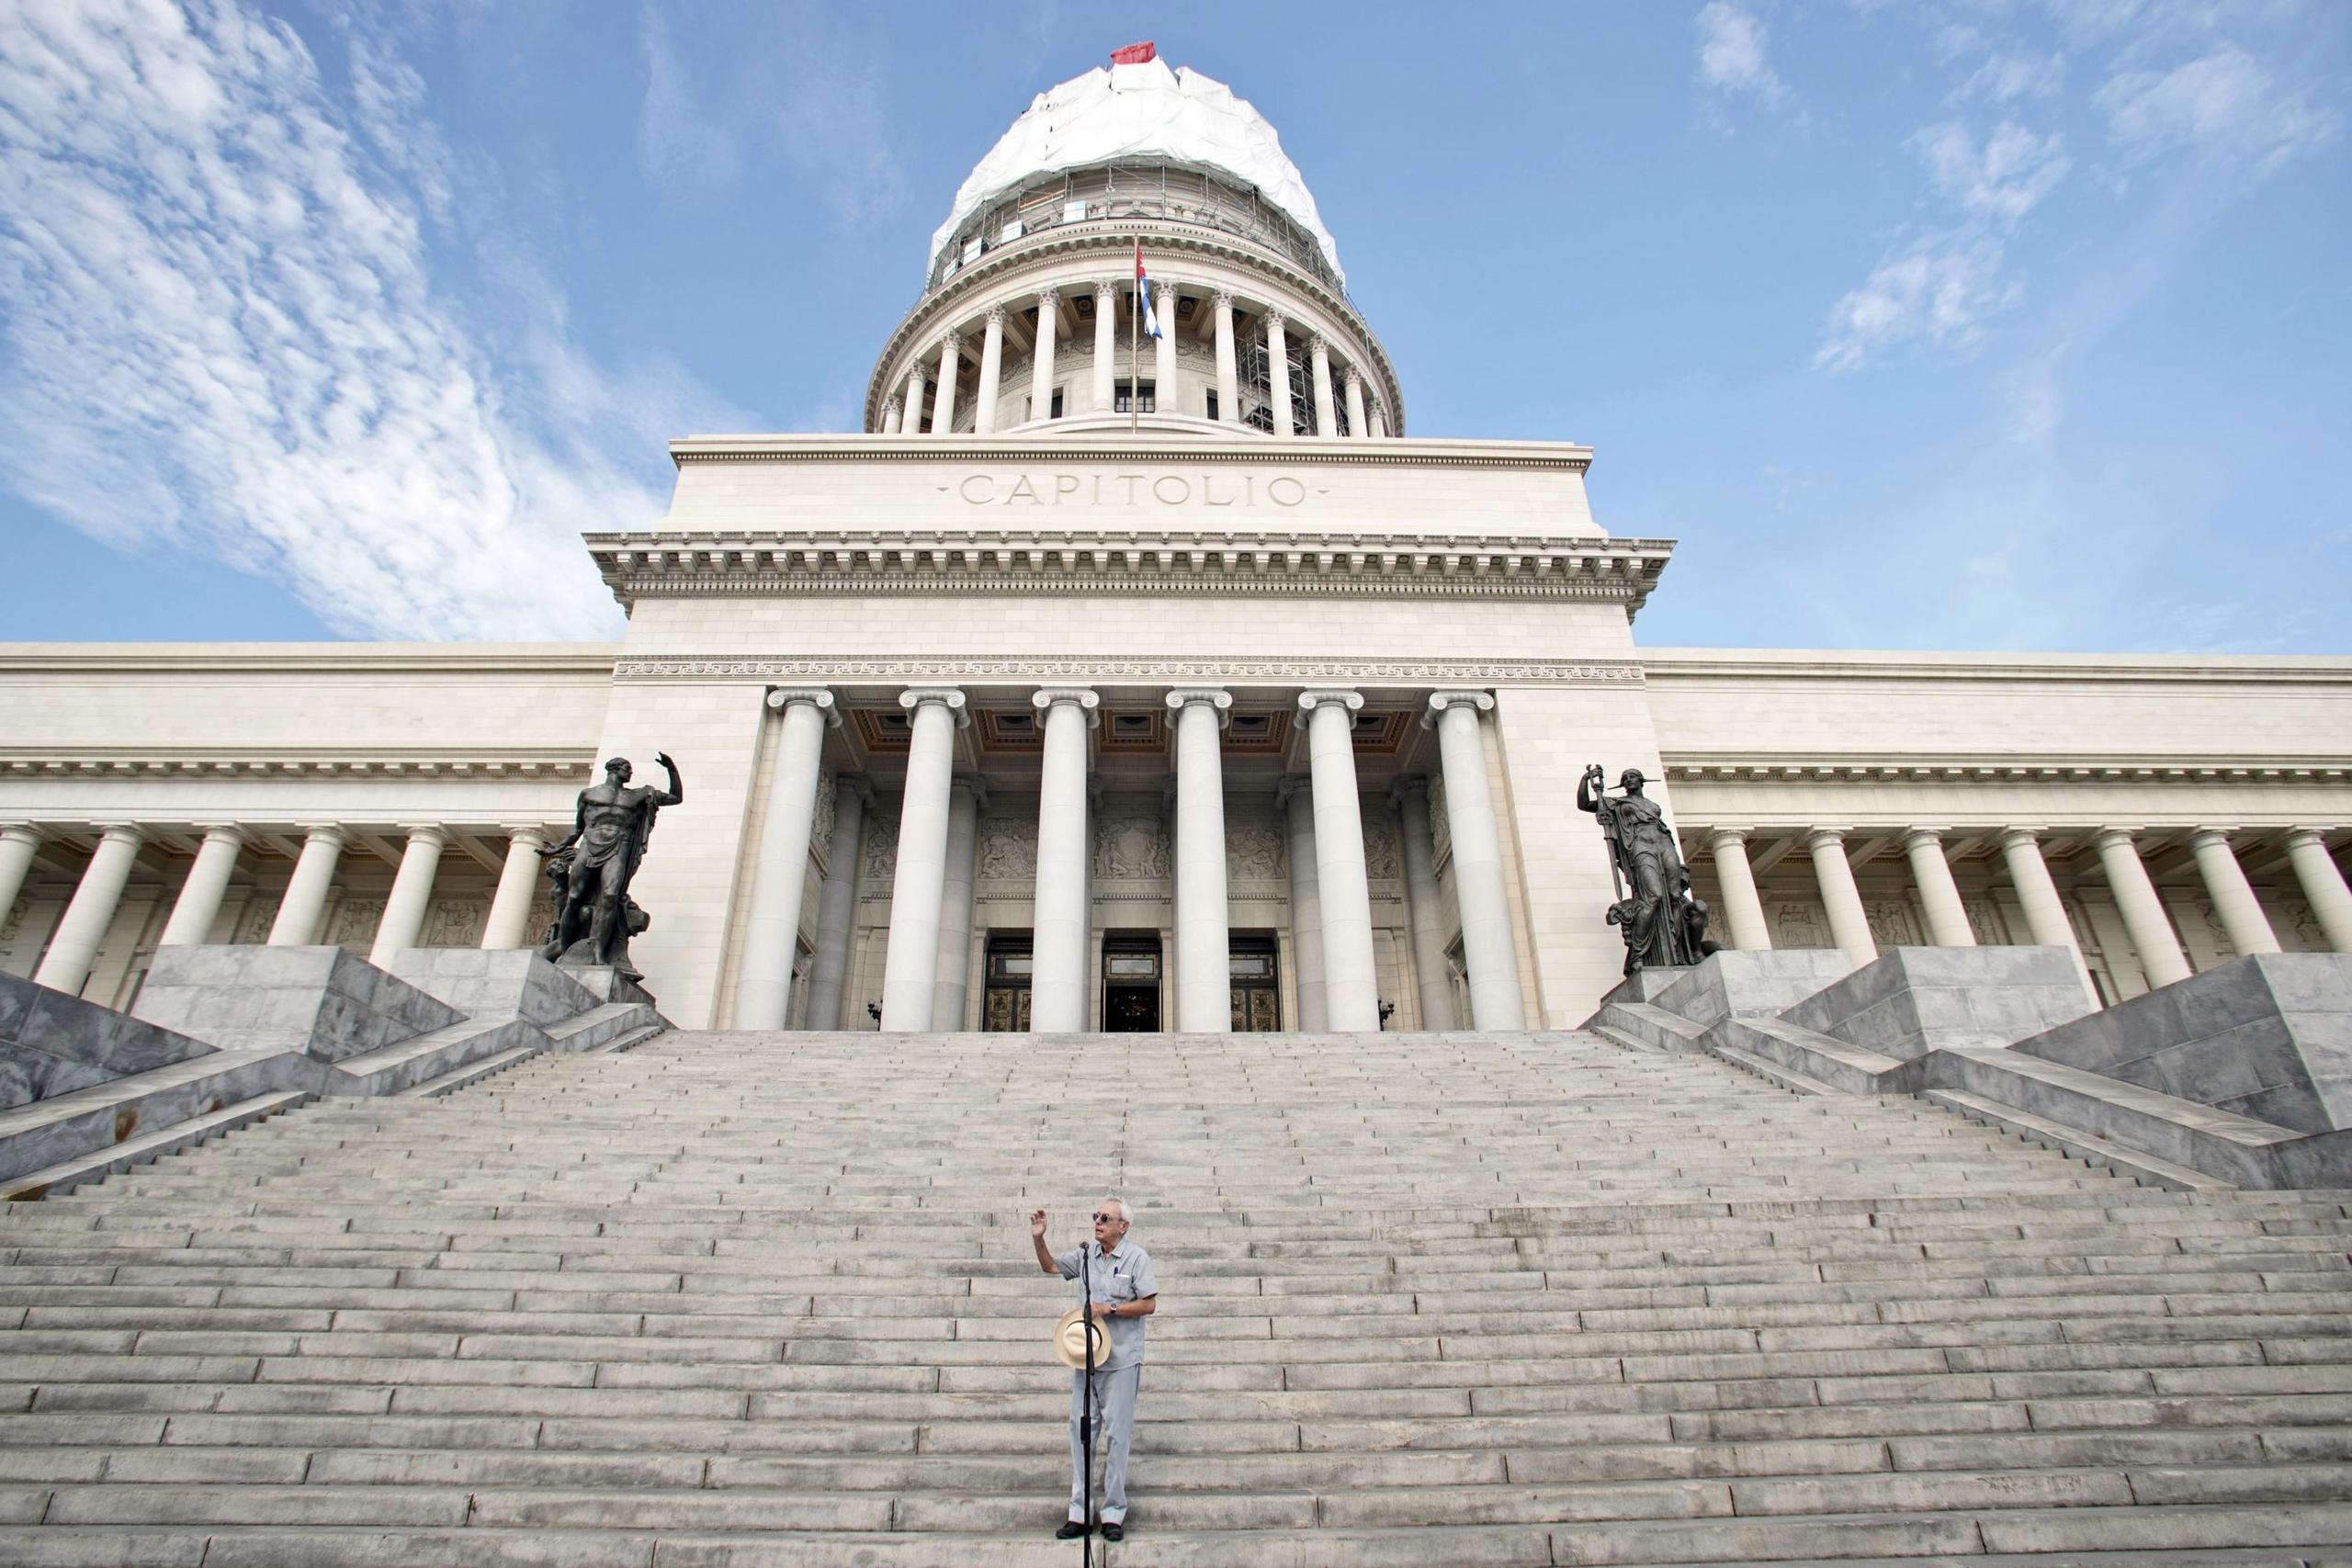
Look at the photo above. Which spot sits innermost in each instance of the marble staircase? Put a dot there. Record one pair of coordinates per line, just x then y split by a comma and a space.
768, 1299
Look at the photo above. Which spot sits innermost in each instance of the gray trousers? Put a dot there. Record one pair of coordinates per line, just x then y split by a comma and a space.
1114, 1417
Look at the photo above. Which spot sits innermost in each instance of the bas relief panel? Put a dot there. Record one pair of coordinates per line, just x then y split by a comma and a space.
1381, 861
1891, 923
881, 853
1440, 830
1985, 924
455, 922
260, 915
821, 833
1797, 925
1007, 847
353, 924
1131, 848
1253, 852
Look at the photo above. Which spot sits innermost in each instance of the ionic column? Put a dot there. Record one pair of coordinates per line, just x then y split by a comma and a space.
1163, 369
1356, 426
1487, 945
780, 871
1040, 360
1319, 357
1412, 795
2242, 917
1204, 939
1057, 978
965, 795
2045, 912
1743, 910
1295, 799
951, 359
300, 912
1850, 927
509, 924
2323, 887
74, 946
1106, 371
1938, 895
2144, 921
910, 405
1278, 374
991, 372
1379, 419
1350, 981
411, 896
910, 964
200, 894
1228, 375
837, 903
18, 842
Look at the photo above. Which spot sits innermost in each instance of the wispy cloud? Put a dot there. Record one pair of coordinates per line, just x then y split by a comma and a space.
2221, 104
1935, 293
2002, 179
1732, 53
677, 144
221, 333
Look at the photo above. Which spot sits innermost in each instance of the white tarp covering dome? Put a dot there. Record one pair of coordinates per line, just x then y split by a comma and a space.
1140, 111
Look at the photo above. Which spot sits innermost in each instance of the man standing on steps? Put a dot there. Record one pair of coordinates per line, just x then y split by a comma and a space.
1122, 1291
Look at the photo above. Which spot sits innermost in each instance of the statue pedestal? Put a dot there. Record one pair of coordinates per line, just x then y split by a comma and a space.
609, 982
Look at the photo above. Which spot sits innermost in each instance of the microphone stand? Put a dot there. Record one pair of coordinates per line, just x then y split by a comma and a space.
1086, 1403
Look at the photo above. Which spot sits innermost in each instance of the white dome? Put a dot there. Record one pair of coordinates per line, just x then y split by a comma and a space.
1140, 111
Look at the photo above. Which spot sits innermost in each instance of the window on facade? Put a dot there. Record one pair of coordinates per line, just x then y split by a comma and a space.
1145, 397
1211, 398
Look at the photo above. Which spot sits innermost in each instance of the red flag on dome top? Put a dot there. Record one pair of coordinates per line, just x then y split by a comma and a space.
1136, 53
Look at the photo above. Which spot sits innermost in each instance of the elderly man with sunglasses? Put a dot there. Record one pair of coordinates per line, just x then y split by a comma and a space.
1120, 1291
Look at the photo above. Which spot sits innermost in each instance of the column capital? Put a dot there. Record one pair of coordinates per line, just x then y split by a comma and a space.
1164, 287
1409, 786
233, 831
818, 697
1106, 293
951, 344
1329, 696
2029, 833
1319, 344
2296, 835
334, 833
1276, 320
2107, 838
425, 832
995, 318
2210, 834
1083, 698
532, 834
970, 784
1291, 786
1817, 837
1914, 834
1721, 834
949, 697
1462, 698
1048, 300
892, 412
126, 832
1214, 697
857, 785
1223, 300
1352, 376
22, 832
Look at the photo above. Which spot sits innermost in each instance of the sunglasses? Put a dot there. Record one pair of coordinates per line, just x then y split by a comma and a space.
1109, 1220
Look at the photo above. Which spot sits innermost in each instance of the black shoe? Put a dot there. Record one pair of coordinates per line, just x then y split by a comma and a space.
1071, 1530
1113, 1530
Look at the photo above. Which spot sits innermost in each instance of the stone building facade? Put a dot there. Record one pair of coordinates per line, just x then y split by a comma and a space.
1175, 686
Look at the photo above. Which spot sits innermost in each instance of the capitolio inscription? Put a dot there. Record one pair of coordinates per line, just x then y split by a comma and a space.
1129, 490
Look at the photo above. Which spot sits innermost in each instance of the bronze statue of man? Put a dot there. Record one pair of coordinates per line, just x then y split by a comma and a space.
592, 868
1663, 924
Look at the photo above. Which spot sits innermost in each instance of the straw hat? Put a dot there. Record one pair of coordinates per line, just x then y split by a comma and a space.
1069, 1339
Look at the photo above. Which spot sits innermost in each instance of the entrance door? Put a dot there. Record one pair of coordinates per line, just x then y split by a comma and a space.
1131, 982
1004, 1008
1257, 1003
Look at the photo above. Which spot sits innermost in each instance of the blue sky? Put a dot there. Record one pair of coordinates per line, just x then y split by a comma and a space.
2003, 325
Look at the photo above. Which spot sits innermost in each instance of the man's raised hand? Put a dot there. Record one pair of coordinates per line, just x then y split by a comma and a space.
1037, 1223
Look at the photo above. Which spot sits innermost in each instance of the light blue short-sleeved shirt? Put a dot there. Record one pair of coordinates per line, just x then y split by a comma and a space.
1122, 1274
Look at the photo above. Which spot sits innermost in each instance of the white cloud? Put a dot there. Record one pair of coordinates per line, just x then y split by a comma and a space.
1935, 294
220, 332
2223, 103
1731, 53
2004, 179
2005, 76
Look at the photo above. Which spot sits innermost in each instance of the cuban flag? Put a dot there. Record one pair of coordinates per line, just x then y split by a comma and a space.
1143, 292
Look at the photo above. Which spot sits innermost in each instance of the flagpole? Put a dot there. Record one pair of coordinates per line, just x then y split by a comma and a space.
1135, 324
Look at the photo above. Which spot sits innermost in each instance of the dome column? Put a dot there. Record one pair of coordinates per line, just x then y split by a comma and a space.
1319, 356
1356, 426
1163, 369
1228, 378
1107, 312
943, 411
1041, 361
910, 405
1278, 375
991, 373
